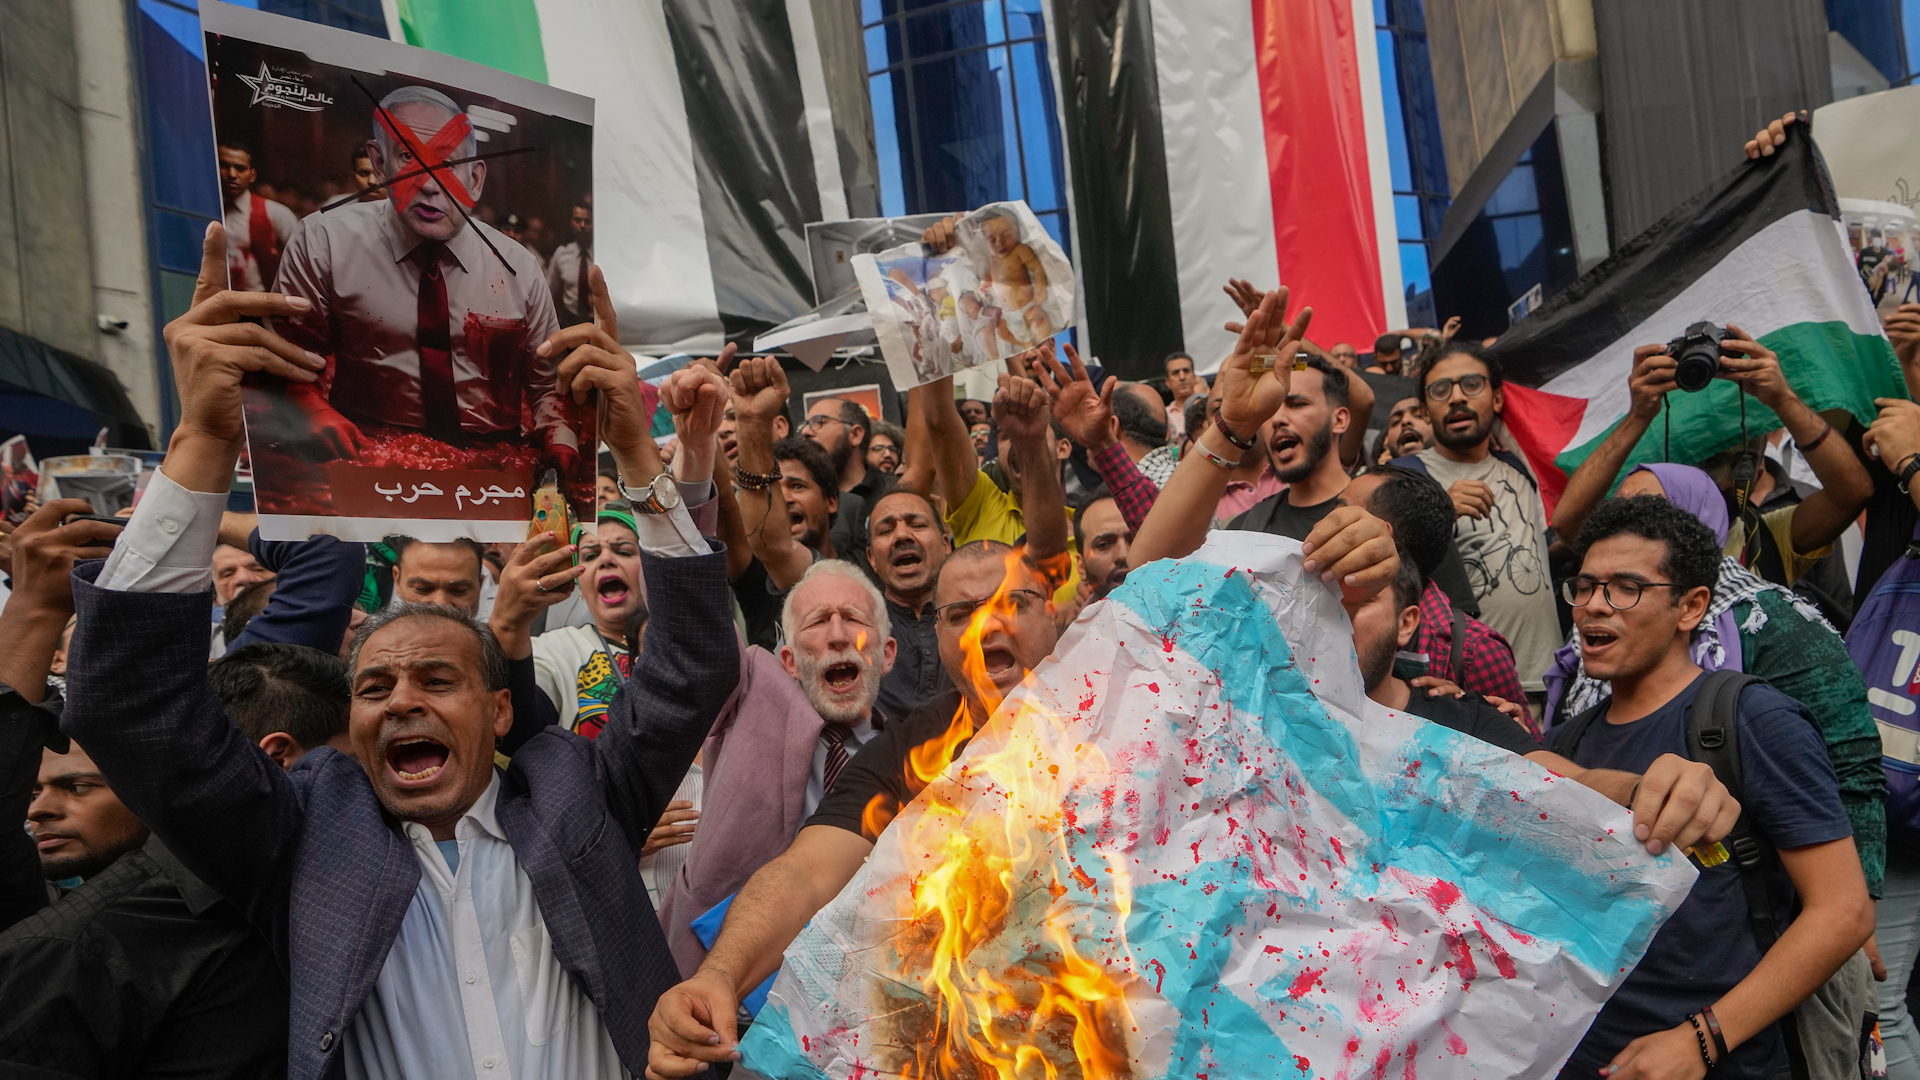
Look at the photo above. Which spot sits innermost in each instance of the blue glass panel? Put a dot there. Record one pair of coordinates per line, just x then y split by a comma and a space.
1380, 13
996, 22
1522, 259
1910, 25
179, 24
877, 57
1025, 19
1413, 267
1039, 130
360, 16
1009, 126
886, 145
948, 29
1056, 226
869, 11
1402, 172
179, 125
1516, 194
179, 238
960, 157
1406, 217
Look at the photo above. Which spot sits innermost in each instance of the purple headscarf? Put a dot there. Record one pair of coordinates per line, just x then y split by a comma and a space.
1694, 491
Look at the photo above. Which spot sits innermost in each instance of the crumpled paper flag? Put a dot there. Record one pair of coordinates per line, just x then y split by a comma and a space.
1275, 876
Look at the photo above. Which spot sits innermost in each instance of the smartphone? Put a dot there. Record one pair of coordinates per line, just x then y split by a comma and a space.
120, 521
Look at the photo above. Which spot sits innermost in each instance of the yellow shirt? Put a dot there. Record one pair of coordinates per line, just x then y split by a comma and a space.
987, 513
1780, 524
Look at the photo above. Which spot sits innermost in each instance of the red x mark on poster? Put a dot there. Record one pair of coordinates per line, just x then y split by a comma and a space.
431, 159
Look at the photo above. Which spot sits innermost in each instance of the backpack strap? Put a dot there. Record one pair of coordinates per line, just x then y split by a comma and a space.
1459, 643
1713, 738
1566, 737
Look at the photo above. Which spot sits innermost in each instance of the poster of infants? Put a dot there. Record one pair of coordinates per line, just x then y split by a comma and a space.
1004, 287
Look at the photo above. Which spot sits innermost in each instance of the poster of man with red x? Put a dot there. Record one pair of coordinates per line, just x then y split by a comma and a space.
435, 417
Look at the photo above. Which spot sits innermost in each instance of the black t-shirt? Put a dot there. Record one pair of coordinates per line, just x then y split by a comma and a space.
1705, 948
1471, 715
760, 603
1274, 514
880, 768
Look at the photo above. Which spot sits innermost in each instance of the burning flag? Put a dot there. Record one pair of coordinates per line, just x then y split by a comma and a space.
1189, 846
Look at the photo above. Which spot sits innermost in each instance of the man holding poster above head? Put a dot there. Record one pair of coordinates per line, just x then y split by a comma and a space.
257, 227
430, 319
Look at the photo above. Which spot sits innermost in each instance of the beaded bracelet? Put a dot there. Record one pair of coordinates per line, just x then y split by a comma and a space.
753, 481
1221, 423
1702, 1036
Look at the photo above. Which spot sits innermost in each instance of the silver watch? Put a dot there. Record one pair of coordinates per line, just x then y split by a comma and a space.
656, 497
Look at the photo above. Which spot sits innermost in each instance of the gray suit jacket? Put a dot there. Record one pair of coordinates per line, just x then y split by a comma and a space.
310, 856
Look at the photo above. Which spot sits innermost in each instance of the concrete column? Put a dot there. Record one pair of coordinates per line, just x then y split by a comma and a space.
115, 202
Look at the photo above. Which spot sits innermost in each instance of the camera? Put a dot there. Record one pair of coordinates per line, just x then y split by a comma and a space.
1696, 355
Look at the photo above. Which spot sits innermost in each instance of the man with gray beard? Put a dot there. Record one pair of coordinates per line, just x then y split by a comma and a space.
782, 740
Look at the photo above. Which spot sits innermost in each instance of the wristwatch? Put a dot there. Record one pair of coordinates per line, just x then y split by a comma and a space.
657, 497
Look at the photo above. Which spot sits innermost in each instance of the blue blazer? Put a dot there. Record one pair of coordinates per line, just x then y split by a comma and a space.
311, 857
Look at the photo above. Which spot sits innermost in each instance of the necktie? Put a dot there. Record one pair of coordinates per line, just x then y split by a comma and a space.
583, 298
835, 737
439, 407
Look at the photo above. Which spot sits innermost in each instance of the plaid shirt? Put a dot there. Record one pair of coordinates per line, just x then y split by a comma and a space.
1485, 655
1132, 491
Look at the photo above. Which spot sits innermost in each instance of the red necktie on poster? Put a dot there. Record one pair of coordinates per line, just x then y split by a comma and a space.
432, 157
439, 407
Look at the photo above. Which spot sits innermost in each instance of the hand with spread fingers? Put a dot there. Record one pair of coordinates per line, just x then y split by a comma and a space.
212, 351
1356, 549
1084, 414
1247, 398
540, 574
1245, 297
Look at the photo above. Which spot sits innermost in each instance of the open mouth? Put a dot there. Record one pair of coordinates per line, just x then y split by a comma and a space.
1596, 638
416, 761
1283, 442
1116, 577
907, 557
842, 676
998, 660
611, 590
1411, 437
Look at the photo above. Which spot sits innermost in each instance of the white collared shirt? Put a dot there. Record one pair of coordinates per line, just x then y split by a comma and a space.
457, 1000
356, 265
563, 277
425, 1017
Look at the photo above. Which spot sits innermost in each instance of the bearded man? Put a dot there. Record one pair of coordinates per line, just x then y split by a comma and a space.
782, 740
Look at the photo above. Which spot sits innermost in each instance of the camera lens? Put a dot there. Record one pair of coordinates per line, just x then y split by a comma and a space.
1695, 365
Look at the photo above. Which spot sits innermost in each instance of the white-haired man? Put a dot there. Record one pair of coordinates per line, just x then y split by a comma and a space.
782, 740
426, 317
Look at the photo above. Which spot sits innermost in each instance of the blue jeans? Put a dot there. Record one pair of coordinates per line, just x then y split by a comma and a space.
1897, 929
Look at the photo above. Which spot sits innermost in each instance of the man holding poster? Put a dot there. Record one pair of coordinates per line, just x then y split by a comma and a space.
429, 316
436, 414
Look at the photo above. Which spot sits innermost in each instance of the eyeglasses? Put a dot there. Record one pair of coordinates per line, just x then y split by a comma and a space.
815, 423
1471, 385
956, 615
1621, 593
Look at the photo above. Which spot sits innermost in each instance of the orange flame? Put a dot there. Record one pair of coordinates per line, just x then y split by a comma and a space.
1008, 993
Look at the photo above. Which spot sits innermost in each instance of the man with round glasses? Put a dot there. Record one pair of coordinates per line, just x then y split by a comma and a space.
1648, 571
1500, 524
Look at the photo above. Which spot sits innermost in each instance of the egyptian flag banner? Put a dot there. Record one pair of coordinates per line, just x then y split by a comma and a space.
1763, 249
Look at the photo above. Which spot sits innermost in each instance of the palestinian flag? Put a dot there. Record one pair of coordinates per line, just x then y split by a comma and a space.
1764, 249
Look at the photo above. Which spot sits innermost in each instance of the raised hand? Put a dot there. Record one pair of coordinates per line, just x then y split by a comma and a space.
696, 397
759, 388
1021, 409
212, 351
1774, 134
1451, 328
1903, 330
1247, 400
1355, 548
1085, 415
1245, 297
595, 361
1652, 378
1894, 435
539, 574
1757, 370
940, 235
44, 551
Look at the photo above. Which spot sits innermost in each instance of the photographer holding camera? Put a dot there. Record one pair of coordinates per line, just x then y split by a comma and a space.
1793, 536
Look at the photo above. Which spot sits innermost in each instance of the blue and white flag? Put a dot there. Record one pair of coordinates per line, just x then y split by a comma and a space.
1190, 846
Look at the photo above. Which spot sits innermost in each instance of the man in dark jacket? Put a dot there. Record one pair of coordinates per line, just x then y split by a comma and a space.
423, 897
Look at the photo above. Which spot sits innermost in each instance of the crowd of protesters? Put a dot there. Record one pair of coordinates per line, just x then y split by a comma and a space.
557, 808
